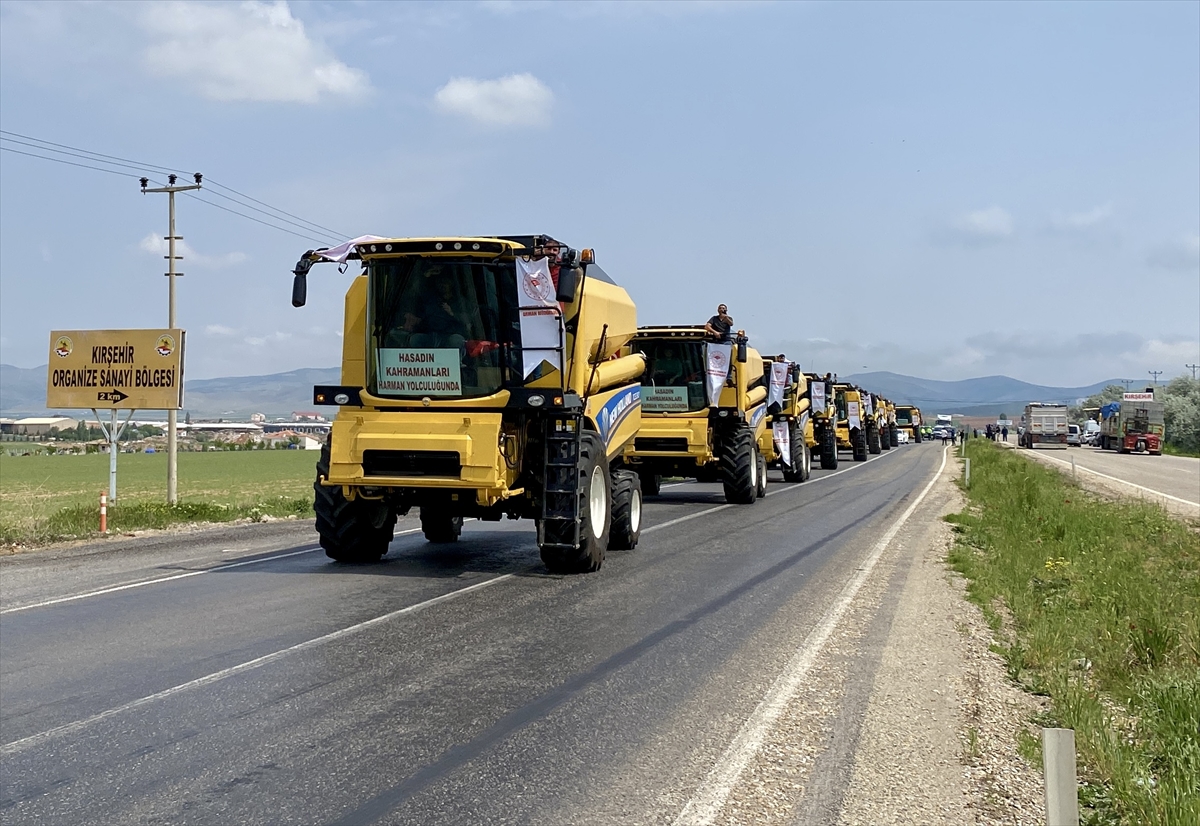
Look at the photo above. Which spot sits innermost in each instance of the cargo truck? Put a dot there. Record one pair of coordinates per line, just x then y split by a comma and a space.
1133, 425
1045, 426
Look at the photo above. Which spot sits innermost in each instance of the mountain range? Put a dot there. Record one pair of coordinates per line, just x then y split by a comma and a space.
23, 392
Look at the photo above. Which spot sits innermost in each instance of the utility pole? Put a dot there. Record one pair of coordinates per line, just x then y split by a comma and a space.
1126, 382
1193, 368
172, 417
1156, 374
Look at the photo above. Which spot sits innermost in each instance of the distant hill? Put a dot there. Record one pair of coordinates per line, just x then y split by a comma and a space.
971, 397
23, 392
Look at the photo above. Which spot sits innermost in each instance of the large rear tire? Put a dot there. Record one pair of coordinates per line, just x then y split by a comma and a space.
858, 444
829, 453
626, 511
874, 446
351, 530
439, 526
595, 517
739, 466
893, 435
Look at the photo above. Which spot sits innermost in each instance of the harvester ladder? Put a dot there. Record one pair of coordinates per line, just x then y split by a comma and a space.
562, 500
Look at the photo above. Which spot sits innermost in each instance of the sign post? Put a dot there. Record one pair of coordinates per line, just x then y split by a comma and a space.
115, 370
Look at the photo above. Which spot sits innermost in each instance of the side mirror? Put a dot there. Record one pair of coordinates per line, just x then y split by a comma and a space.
742, 352
568, 284
300, 289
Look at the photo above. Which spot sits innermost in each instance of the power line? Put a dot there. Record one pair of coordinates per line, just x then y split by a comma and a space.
116, 160
201, 200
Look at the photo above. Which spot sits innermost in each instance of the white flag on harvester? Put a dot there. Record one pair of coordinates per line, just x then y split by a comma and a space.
852, 414
717, 357
541, 318
779, 380
817, 392
783, 441
866, 402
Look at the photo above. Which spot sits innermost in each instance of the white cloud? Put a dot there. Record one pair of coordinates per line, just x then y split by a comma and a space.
251, 51
1181, 254
514, 100
219, 330
1081, 220
256, 341
991, 224
158, 245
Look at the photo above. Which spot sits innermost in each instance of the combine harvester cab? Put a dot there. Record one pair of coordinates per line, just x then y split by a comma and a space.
1133, 425
821, 432
908, 418
787, 441
481, 377
698, 420
851, 420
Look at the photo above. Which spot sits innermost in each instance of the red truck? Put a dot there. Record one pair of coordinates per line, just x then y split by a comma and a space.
1133, 425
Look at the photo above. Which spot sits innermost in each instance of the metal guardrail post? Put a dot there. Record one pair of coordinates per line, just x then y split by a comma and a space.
1062, 788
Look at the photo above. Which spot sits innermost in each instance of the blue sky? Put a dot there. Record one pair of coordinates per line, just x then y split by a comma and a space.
943, 190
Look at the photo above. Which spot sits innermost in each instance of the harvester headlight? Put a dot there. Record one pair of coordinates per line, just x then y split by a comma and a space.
438, 245
373, 248
387, 247
537, 401
723, 413
475, 246
457, 245
341, 398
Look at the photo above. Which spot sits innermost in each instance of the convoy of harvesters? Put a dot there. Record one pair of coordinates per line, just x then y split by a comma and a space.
506, 376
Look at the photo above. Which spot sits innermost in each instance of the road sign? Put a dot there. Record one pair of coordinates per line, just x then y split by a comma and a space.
115, 369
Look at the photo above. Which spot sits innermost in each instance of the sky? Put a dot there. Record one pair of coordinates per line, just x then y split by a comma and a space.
945, 190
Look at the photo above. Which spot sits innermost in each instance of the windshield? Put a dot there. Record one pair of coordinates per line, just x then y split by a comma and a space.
443, 327
840, 400
674, 377
903, 417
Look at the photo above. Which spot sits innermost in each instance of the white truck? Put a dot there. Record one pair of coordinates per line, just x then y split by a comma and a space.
1045, 426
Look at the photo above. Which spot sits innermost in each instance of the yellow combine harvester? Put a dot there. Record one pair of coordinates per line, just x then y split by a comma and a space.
787, 440
822, 432
702, 418
481, 377
851, 421
908, 417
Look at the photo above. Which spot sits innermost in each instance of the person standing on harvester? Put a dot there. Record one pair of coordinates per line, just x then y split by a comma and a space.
720, 327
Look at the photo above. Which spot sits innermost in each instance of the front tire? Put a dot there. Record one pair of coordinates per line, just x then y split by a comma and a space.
762, 475
893, 435
353, 531
739, 467
595, 517
626, 511
651, 483
829, 456
858, 444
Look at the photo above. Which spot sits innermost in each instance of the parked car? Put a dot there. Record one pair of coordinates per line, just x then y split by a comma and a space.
1074, 434
902, 437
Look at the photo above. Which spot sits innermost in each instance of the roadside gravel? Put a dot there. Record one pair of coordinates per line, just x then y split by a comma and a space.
908, 717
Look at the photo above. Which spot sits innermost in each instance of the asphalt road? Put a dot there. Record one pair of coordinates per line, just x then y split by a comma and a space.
1177, 477
235, 678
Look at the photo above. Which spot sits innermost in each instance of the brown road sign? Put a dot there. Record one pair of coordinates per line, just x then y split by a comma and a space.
115, 369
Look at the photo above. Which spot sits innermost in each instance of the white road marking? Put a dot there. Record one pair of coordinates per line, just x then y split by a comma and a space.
258, 662
144, 582
708, 801
1122, 481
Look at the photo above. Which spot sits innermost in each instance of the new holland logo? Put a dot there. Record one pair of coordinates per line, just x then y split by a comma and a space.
165, 345
63, 347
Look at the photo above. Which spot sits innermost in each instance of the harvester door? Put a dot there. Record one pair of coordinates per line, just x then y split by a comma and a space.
543, 338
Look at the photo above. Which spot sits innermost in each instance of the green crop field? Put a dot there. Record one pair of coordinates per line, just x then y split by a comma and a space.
46, 497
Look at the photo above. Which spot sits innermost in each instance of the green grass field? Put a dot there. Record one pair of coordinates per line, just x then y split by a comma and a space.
43, 497
1103, 601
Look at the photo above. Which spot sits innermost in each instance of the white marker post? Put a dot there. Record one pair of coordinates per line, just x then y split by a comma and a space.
1062, 789
967, 472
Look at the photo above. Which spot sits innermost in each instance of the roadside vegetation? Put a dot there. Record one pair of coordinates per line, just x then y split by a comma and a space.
44, 498
1096, 606
1181, 414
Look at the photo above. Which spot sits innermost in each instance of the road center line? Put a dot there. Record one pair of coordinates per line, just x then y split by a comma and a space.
70, 728
708, 801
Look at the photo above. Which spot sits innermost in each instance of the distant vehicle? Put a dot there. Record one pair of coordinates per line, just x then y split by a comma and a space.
1133, 425
1074, 435
1045, 426
902, 436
